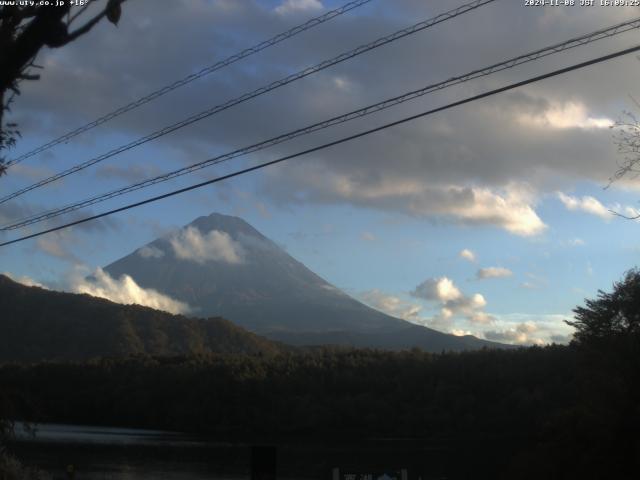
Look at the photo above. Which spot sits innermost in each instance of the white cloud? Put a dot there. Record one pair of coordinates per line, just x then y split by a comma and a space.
576, 242
296, 6
391, 305
563, 116
217, 246
452, 302
440, 289
629, 212
468, 255
509, 207
510, 210
482, 318
530, 329
126, 291
25, 280
460, 333
522, 334
149, 251
342, 83
493, 272
586, 204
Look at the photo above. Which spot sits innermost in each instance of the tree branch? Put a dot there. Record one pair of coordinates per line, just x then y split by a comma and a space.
91, 23
78, 13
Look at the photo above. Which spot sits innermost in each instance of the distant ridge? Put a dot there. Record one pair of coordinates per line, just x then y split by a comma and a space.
263, 289
38, 324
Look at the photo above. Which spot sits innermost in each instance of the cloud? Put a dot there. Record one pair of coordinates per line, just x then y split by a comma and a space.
454, 155
451, 304
129, 173
296, 6
530, 329
522, 334
467, 255
263, 210
452, 301
493, 272
149, 251
126, 291
460, 333
535, 282
587, 204
60, 245
391, 305
216, 246
25, 280
31, 173
439, 289
565, 115
562, 339
629, 212
368, 236
123, 290
509, 207
482, 318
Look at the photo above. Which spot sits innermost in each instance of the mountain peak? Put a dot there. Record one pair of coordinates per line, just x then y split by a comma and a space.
222, 266
234, 226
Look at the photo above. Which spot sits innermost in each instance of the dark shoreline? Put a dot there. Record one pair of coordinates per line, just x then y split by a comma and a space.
309, 458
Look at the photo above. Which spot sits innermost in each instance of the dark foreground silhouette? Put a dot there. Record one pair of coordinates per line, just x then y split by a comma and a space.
554, 412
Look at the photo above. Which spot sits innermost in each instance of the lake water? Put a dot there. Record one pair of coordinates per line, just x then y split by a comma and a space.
101, 453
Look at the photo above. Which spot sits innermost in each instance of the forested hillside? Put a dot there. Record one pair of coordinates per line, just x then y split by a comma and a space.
38, 324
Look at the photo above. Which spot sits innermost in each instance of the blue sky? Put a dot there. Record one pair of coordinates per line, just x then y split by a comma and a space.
517, 179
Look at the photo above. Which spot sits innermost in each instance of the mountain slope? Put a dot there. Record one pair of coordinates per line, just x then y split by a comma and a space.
221, 265
38, 324
268, 290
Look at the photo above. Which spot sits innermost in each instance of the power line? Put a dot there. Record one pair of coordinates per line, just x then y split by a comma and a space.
385, 104
260, 91
194, 76
335, 142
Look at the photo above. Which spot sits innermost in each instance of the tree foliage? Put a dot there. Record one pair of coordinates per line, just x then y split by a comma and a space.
528, 413
27, 29
610, 315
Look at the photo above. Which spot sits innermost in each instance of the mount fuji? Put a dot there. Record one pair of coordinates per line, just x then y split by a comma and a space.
221, 266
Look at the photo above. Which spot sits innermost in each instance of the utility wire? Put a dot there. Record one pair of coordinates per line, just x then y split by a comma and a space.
194, 76
260, 91
385, 104
335, 142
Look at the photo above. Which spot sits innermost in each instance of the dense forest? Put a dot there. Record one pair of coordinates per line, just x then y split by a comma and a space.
39, 324
557, 409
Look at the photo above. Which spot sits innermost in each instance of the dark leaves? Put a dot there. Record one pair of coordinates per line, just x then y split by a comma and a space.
114, 11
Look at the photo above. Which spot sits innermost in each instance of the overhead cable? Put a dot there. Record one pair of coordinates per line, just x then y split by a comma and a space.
255, 93
331, 144
292, 32
376, 107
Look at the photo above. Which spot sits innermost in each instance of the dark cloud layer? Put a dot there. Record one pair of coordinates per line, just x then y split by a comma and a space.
485, 163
